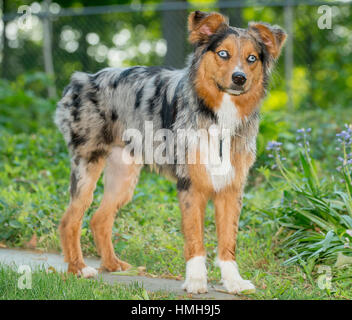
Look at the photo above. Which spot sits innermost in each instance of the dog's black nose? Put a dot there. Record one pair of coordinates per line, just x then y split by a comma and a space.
239, 78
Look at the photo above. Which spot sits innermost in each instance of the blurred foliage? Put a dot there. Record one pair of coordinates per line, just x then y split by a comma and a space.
22, 110
322, 75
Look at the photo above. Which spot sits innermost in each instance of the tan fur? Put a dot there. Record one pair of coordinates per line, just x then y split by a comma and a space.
272, 38
119, 180
70, 227
202, 25
228, 202
192, 204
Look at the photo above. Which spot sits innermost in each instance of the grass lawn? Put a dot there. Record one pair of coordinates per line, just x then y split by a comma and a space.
34, 177
62, 286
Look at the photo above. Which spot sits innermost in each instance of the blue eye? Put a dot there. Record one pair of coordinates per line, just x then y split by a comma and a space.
223, 54
251, 58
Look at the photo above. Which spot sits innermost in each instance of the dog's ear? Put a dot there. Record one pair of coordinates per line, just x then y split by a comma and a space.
273, 37
202, 25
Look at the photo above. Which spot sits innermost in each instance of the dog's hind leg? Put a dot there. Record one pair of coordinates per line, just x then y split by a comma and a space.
84, 176
120, 179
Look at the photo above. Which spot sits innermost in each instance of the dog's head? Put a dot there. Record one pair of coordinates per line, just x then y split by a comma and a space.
232, 60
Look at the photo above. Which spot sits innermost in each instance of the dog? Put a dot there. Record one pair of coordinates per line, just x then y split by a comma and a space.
222, 86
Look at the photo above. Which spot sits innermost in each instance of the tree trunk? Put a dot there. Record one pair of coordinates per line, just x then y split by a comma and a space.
174, 32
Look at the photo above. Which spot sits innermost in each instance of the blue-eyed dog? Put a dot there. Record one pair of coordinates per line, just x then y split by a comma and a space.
222, 86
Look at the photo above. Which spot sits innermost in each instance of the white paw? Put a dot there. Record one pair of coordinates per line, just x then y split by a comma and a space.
231, 278
196, 276
89, 272
237, 286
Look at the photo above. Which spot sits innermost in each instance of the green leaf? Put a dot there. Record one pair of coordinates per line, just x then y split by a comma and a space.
15, 224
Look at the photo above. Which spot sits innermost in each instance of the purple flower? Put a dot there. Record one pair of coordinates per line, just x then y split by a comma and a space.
303, 136
345, 139
345, 136
274, 145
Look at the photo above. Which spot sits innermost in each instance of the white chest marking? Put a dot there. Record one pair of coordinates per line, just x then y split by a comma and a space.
228, 116
222, 172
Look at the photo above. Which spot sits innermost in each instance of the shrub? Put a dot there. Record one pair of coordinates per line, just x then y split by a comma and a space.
316, 207
22, 109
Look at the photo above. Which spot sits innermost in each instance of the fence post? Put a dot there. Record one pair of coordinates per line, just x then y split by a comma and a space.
47, 48
5, 70
174, 32
288, 16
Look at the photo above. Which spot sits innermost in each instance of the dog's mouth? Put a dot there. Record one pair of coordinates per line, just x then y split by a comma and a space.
235, 91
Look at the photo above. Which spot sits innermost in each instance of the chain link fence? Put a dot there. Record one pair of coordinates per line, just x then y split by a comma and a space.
314, 71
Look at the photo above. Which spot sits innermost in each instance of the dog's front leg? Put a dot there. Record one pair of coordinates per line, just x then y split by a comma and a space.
192, 204
227, 212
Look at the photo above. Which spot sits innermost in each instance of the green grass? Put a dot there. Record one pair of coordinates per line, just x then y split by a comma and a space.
34, 177
61, 286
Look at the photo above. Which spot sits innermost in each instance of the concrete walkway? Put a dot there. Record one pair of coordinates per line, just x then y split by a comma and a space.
17, 257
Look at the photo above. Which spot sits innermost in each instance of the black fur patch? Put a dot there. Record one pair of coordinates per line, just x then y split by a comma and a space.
102, 115
94, 84
123, 76
76, 160
76, 115
68, 87
97, 75
204, 110
220, 149
76, 96
264, 56
96, 155
73, 184
139, 96
114, 116
92, 97
217, 38
153, 101
106, 133
77, 140
167, 113
76, 100
183, 184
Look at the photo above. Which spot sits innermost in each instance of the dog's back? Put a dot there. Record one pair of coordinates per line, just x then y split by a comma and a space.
96, 108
